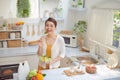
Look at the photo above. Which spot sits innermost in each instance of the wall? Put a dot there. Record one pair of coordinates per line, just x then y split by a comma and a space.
6, 9
71, 16
8, 12
107, 4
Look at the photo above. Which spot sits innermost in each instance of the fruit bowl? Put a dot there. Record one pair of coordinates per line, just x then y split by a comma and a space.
91, 69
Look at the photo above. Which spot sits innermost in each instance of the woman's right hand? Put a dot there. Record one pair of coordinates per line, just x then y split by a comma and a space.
40, 42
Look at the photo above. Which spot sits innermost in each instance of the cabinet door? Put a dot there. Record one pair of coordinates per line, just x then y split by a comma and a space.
32, 60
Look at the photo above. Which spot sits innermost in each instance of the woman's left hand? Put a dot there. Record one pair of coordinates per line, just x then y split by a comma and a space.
52, 61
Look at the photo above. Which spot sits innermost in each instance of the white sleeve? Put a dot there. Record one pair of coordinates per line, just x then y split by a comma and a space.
62, 48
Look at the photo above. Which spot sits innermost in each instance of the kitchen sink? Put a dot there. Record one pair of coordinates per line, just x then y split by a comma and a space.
87, 59
84, 60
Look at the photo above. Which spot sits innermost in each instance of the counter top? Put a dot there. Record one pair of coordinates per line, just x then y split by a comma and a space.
11, 52
30, 50
103, 73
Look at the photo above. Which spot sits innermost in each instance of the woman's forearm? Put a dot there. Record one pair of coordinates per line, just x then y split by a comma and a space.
39, 52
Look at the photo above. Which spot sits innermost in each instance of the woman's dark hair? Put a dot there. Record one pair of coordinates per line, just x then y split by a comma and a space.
51, 20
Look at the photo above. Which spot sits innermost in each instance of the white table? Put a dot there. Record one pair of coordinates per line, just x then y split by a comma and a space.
103, 73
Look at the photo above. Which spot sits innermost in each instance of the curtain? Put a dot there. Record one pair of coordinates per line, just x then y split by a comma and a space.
101, 26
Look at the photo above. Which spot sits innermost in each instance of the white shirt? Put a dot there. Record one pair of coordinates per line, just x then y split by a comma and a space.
57, 50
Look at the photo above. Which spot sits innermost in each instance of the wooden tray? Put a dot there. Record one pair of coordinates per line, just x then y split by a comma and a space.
69, 73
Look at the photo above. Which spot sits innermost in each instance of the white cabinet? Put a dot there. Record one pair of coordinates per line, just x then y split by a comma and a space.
32, 60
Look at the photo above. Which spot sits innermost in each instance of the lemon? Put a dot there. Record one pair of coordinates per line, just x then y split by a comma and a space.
45, 59
42, 58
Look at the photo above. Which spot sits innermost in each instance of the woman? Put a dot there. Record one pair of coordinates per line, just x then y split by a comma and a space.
51, 45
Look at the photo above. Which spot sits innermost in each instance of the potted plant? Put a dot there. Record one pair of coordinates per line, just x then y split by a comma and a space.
23, 8
79, 3
80, 28
4, 26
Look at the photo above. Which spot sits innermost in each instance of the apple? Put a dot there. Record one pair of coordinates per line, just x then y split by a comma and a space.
32, 73
34, 78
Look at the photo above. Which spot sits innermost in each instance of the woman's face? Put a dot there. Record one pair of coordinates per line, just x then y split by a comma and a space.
49, 27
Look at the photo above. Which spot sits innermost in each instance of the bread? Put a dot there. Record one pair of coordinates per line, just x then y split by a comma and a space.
66, 32
91, 69
7, 72
109, 51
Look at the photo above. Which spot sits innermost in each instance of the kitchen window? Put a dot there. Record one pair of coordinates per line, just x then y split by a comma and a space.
116, 29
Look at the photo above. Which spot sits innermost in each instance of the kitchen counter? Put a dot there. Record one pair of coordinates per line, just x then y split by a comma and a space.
10, 52
15, 56
30, 50
103, 73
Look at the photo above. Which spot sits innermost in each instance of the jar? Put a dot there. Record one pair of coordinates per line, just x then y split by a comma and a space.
1, 44
46, 14
25, 43
4, 44
74, 4
12, 35
51, 14
17, 35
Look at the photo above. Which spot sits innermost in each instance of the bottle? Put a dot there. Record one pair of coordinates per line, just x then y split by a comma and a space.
26, 69
12, 35
21, 72
0, 44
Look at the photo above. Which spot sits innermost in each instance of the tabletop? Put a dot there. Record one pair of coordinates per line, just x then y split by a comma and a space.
103, 73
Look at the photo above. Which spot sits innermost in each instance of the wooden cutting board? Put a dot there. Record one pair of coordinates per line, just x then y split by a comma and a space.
33, 30
38, 33
69, 73
27, 32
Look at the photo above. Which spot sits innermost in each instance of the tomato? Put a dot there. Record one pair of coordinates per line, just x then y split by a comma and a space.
34, 78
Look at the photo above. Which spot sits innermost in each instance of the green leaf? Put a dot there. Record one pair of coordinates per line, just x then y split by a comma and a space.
80, 27
23, 8
44, 75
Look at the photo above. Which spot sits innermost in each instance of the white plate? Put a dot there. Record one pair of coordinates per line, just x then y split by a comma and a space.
113, 60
